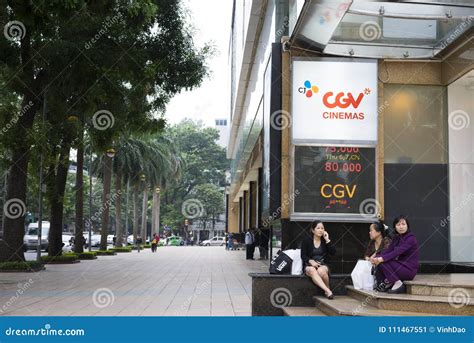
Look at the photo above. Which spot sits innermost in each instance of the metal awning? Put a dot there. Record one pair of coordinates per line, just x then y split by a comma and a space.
381, 29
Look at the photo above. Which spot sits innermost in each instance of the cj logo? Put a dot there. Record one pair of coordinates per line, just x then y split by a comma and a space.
308, 90
331, 100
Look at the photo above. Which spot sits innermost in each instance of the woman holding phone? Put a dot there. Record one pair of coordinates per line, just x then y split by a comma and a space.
314, 253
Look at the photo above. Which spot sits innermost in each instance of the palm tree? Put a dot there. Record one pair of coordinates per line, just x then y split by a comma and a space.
142, 162
169, 172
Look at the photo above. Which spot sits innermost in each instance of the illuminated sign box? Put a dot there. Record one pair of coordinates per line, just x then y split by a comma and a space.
334, 102
334, 137
335, 180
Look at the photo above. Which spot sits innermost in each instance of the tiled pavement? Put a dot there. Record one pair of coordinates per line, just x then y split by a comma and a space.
175, 281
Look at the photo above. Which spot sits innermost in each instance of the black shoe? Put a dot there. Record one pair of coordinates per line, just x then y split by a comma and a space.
400, 290
383, 287
330, 297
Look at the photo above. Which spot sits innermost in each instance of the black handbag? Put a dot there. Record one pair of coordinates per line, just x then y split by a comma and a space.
281, 264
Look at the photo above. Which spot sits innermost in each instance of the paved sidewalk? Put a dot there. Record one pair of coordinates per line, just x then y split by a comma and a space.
175, 281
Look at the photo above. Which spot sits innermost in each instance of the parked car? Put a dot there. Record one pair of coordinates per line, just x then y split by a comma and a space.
30, 240
214, 241
174, 241
67, 242
110, 239
95, 239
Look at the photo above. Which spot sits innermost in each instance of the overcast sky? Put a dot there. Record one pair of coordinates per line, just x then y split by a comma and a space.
211, 20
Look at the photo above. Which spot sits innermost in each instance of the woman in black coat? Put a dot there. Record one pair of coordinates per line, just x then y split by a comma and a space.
314, 253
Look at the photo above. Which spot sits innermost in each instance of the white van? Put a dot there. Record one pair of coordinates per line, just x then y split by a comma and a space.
30, 240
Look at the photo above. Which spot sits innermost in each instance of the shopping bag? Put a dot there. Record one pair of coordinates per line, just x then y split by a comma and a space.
297, 264
362, 277
281, 264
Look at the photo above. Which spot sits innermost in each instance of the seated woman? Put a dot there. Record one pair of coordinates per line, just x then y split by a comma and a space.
379, 240
399, 262
314, 253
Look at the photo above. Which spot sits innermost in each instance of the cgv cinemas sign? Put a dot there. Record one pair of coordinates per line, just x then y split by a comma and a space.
338, 98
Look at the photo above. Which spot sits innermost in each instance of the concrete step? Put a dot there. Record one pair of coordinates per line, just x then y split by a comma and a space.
445, 285
347, 306
302, 312
442, 305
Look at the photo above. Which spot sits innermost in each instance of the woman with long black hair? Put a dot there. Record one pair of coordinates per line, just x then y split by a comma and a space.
379, 240
315, 252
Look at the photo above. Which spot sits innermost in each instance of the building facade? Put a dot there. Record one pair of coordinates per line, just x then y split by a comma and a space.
348, 111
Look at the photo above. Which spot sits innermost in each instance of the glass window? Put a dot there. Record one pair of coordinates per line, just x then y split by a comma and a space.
415, 125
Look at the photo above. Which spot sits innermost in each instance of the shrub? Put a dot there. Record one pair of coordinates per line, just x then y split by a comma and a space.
65, 258
105, 252
122, 249
86, 255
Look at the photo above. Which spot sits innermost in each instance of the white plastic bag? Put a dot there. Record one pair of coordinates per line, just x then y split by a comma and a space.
297, 265
361, 275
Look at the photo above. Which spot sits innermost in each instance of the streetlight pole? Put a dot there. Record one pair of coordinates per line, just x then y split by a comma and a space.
156, 224
40, 197
4, 199
90, 194
126, 214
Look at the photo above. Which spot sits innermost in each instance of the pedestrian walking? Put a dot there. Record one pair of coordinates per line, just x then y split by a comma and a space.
139, 242
249, 245
154, 242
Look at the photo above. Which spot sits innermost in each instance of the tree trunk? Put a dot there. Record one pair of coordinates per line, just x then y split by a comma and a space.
11, 246
106, 201
158, 201
79, 222
136, 212
118, 209
14, 229
144, 212
153, 214
58, 186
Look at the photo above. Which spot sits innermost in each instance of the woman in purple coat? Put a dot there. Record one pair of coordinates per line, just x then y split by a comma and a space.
399, 262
